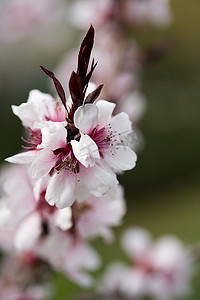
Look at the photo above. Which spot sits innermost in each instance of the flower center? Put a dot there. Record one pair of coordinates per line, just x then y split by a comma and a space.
66, 160
106, 139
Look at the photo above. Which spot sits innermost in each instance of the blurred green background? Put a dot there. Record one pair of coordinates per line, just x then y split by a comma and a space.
163, 191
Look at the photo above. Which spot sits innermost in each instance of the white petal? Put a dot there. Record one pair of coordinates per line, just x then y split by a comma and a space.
28, 232
105, 112
27, 114
85, 150
54, 135
63, 218
61, 190
86, 117
35, 110
22, 158
122, 125
42, 164
99, 180
123, 158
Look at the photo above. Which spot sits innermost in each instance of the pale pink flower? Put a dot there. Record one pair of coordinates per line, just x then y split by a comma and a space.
39, 107
120, 279
160, 270
23, 216
82, 153
166, 264
37, 228
20, 18
70, 255
155, 12
129, 12
86, 165
95, 216
27, 208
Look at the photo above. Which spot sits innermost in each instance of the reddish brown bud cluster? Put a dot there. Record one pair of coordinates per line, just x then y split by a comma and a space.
79, 80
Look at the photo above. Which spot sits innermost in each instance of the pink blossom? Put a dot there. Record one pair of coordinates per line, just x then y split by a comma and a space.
21, 18
161, 270
140, 12
88, 164
120, 279
39, 107
95, 216
22, 210
73, 256
37, 228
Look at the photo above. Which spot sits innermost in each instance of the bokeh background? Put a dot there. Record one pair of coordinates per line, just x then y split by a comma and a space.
163, 191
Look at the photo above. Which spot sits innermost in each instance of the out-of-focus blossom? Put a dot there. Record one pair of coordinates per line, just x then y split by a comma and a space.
71, 255
134, 104
20, 18
43, 232
23, 277
24, 217
141, 12
84, 13
21, 210
161, 270
30, 225
123, 281
131, 13
95, 216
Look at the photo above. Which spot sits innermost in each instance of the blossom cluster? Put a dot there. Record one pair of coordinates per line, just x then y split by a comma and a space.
63, 190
